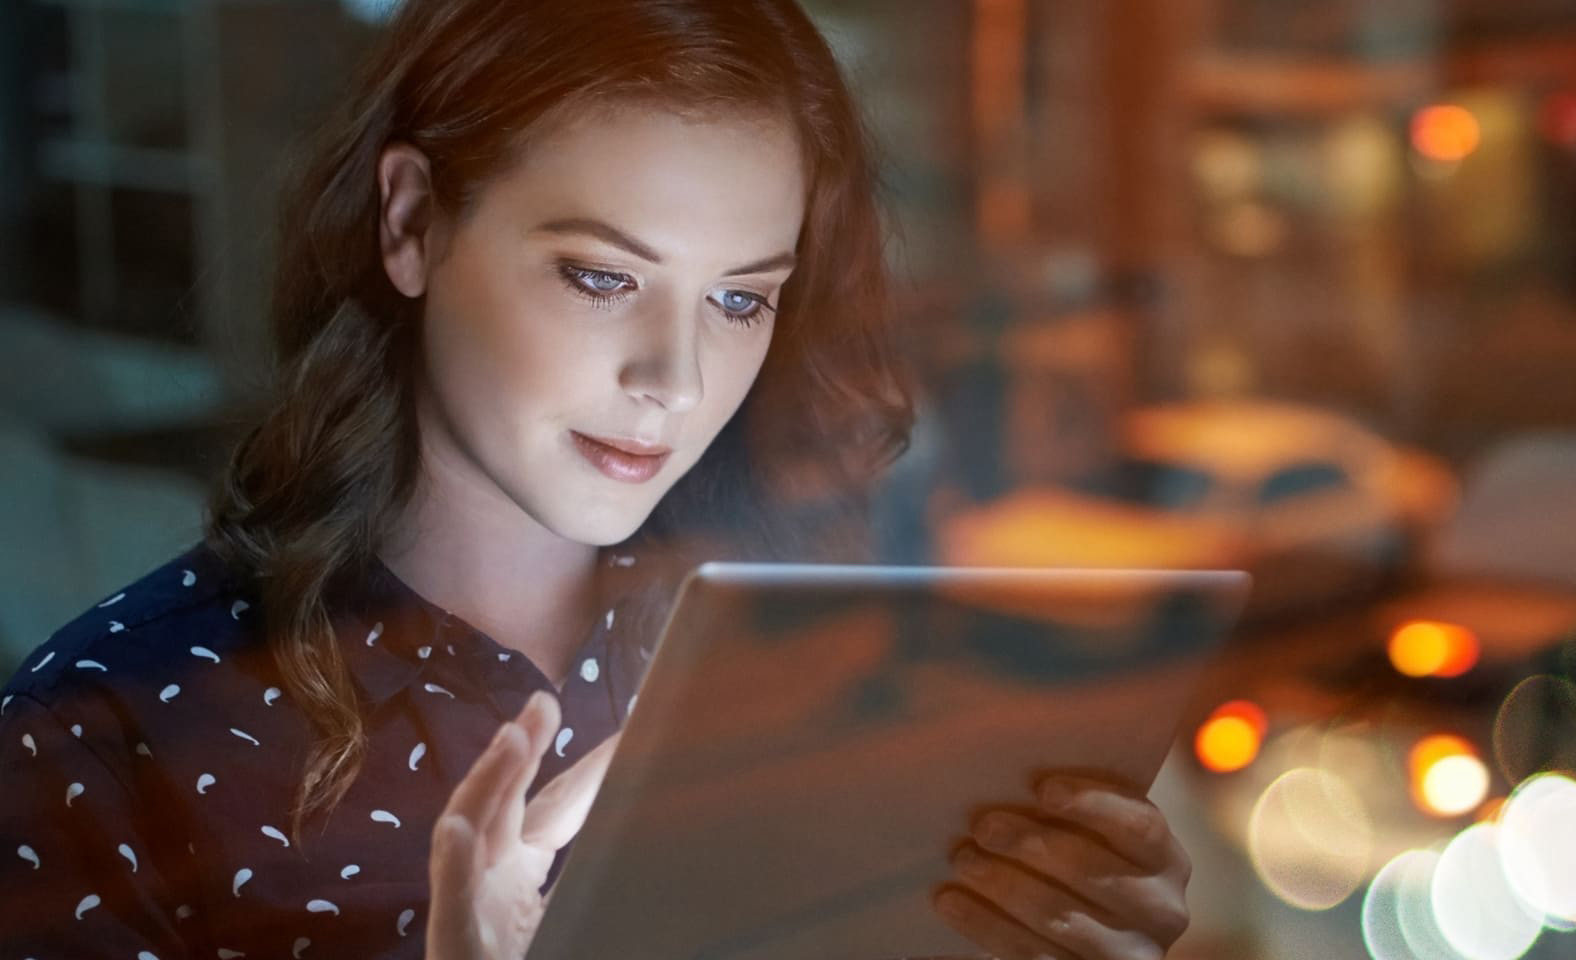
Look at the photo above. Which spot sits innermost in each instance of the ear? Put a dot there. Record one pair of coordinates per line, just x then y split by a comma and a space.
407, 217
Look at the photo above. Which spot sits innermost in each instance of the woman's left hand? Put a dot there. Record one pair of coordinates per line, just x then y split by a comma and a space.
1096, 874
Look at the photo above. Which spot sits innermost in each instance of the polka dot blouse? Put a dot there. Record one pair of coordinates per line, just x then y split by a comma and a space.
149, 757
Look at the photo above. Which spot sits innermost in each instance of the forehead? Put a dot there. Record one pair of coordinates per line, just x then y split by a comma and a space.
669, 178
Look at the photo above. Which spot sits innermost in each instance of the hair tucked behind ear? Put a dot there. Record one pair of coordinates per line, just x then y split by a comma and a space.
311, 491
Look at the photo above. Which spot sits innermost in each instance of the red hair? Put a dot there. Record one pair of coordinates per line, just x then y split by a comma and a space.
313, 487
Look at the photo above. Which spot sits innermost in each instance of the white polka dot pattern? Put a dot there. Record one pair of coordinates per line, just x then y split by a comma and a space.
201, 703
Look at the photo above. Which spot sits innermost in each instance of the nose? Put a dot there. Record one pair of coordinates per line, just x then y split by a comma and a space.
662, 365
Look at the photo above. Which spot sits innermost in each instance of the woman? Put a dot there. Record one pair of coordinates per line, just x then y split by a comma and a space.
571, 287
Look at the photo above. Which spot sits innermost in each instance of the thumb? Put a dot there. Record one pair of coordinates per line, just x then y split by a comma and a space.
556, 814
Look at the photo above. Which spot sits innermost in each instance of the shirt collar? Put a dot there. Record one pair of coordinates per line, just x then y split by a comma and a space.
387, 631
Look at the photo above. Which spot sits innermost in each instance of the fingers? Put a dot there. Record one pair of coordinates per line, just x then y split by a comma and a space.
557, 812
1131, 826
1053, 913
452, 870
539, 720
1153, 902
1005, 938
482, 792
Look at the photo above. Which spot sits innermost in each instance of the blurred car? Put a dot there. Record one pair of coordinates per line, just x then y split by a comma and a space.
1416, 716
1501, 580
1314, 505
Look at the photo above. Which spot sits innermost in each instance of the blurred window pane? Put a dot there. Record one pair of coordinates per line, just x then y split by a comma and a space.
1149, 483
1301, 480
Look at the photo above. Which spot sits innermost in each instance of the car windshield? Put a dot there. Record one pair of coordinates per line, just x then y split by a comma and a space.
1149, 483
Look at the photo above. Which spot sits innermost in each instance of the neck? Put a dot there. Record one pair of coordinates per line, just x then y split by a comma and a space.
464, 545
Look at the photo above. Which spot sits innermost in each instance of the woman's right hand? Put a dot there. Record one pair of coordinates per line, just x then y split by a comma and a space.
491, 850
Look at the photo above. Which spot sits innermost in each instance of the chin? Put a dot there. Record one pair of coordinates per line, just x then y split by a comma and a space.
597, 526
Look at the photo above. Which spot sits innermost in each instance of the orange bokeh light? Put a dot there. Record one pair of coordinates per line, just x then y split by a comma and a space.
1445, 132
1245, 710
1425, 648
1229, 740
1434, 748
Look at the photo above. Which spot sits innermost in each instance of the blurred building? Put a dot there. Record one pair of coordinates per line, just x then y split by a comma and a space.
1364, 206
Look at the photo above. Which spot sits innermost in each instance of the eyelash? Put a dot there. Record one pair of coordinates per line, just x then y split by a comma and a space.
575, 278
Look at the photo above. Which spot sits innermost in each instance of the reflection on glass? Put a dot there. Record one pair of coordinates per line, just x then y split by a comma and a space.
1310, 838
1474, 905
1538, 846
1148, 483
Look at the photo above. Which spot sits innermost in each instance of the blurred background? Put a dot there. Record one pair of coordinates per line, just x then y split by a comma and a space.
1286, 285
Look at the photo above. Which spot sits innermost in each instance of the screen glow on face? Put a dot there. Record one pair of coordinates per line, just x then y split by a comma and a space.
604, 309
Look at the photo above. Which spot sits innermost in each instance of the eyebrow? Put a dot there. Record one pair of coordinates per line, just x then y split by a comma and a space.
609, 234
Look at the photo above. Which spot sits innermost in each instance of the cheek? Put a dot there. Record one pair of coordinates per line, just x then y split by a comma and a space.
733, 371
502, 342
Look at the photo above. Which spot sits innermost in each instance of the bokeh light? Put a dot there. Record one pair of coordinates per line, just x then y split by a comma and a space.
1455, 785
1477, 911
1535, 728
1538, 845
1448, 778
1445, 132
1415, 907
1230, 738
1398, 921
1424, 648
1247, 711
1310, 838
1226, 744
1227, 165
1250, 229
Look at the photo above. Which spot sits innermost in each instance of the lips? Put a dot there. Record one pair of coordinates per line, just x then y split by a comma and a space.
622, 458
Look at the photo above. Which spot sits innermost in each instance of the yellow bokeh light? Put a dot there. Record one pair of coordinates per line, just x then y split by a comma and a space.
1418, 649
1446, 132
1423, 648
1225, 744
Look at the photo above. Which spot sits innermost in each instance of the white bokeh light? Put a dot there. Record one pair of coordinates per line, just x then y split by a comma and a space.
1400, 887
1414, 882
1538, 846
1473, 903
1310, 838
1455, 785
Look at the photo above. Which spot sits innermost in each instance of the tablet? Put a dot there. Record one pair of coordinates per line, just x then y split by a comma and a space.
811, 742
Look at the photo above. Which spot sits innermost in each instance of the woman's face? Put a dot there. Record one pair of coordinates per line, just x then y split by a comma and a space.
604, 308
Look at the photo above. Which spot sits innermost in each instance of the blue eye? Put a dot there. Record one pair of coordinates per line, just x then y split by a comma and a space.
600, 283
741, 306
